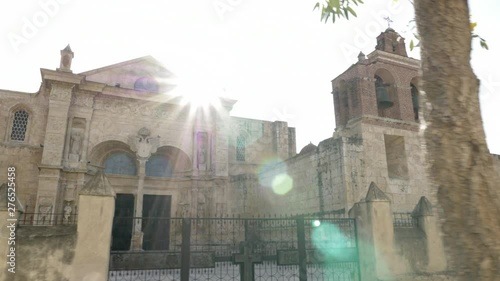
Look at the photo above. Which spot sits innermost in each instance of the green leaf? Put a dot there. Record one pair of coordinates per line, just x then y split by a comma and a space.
316, 6
336, 4
412, 45
483, 44
352, 11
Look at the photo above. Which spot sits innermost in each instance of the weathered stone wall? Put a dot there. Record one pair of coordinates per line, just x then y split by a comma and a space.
404, 192
411, 245
118, 120
338, 172
265, 141
44, 253
309, 182
25, 155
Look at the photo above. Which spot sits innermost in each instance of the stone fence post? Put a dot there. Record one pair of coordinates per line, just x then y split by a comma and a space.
375, 228
95, 220
436, 256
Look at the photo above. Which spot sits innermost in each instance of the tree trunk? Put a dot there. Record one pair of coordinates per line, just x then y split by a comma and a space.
460, 164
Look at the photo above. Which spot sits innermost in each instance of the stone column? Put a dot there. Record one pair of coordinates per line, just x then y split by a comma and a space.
53, 146
95, 221
8, 224
137, 234
144, 146
373, 216
436, 256
220, 138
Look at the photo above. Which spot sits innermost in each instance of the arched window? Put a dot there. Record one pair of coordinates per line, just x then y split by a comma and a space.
240, 148
19, 125
159, 166
120, 163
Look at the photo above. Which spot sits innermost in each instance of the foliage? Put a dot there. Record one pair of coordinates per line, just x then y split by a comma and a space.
342, 9
337, 9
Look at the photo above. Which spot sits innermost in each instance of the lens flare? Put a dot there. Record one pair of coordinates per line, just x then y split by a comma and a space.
269, 169
282, 184
331, 242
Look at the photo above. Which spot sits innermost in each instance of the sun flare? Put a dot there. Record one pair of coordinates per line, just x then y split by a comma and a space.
197, 91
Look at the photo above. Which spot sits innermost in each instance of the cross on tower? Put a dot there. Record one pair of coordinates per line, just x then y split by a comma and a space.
246, 260
388, 19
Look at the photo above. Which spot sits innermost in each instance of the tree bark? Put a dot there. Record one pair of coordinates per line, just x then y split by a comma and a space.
460, 164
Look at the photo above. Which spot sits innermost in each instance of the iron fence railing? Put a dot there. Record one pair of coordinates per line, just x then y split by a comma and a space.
404, 220
224, 248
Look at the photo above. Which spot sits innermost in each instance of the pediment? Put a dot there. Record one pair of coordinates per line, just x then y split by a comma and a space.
145, 74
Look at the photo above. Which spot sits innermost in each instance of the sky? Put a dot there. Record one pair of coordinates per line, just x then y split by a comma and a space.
275, 57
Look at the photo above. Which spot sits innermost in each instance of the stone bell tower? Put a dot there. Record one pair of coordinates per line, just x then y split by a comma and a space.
376, 116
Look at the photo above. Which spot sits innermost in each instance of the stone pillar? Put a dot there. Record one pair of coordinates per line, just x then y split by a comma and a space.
8, 224
144, 146
280, 139
373, 216
436, 256
95, 221
137, 234
220, 137
49, 191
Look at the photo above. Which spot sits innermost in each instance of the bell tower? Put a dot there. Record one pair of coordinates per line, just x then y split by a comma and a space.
377, 122
383, 85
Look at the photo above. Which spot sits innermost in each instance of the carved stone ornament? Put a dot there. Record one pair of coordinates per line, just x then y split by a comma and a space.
83, 100
142, 144
67, 211
60, 92
45, 209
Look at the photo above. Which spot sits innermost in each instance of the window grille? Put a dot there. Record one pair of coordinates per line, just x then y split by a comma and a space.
240, 148
19, 125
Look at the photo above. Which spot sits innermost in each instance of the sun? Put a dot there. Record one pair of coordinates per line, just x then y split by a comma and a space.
197, 91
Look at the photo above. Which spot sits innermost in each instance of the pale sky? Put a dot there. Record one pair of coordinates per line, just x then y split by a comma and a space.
275, 57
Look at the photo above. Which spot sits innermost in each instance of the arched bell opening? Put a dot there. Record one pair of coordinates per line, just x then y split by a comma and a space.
385, 93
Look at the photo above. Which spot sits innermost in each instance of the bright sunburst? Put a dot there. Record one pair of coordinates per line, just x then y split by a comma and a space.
197, 91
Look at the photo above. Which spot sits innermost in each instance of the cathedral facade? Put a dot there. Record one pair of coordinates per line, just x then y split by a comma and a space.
153, 147
119, 132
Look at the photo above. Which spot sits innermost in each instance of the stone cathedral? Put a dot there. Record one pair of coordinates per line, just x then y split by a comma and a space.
166, 158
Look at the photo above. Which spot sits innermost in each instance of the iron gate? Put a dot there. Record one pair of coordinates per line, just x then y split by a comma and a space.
244, 249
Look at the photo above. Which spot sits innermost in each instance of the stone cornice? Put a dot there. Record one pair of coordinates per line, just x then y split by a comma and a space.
381, 56
61, 76
383, 122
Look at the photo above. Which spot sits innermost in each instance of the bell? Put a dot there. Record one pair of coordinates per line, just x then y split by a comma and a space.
414, 97
383, 99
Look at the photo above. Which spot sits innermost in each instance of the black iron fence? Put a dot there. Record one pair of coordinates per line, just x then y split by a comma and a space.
404, 220
243, 249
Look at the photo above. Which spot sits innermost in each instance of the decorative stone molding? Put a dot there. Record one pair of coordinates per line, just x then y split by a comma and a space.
142, 144
61, 92
83, 100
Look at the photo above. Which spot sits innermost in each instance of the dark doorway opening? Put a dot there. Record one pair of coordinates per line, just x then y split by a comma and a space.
122, 222
156, 222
